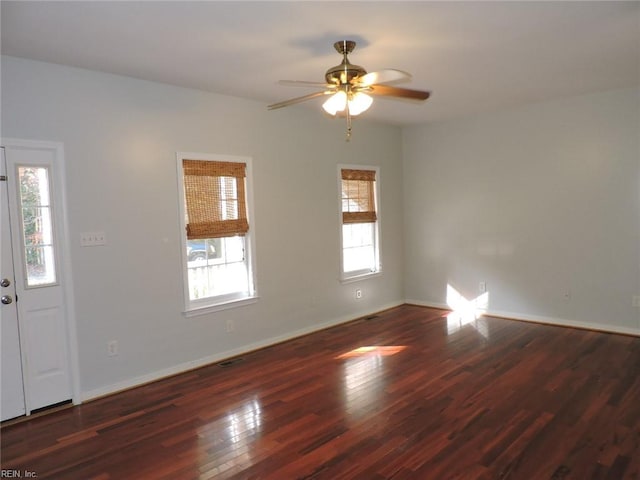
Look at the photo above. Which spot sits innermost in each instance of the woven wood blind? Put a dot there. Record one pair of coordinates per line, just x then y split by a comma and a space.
358, 202
215, 199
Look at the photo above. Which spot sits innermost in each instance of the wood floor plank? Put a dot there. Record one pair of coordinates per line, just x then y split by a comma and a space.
407, 393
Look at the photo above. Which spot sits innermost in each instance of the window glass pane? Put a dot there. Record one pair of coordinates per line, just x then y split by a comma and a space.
228, 198
37, 226
204, 250
40, 266
234, 249
358, 247
216, 267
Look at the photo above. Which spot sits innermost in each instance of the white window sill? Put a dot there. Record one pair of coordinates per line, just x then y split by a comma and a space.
359, 276
203, 310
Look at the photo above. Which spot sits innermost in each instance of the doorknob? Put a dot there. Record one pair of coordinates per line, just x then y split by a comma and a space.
6, 299
5, 282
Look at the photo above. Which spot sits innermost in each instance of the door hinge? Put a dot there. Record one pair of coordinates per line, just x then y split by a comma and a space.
3, 178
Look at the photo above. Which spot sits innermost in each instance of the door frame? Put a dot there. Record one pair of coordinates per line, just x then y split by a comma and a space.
58, 180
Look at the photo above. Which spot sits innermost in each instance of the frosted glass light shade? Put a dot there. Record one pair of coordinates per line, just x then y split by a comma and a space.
358, 103
336, 103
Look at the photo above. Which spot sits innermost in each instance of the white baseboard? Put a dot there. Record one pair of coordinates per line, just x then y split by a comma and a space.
561, 322
422, 303
600, 327
215, 358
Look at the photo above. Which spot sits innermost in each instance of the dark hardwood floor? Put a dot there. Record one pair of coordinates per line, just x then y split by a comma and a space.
428, 399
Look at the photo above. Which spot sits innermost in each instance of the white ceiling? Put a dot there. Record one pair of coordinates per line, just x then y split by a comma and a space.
475, 57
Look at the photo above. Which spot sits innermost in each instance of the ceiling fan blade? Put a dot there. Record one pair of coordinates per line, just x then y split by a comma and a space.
302, 83
385, 90
293, 101
388, 75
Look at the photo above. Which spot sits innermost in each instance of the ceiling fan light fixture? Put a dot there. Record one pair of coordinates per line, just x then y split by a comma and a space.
336, 103
359, 102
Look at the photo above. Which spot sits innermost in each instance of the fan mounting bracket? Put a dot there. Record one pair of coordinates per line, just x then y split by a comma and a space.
344, 73
344, 46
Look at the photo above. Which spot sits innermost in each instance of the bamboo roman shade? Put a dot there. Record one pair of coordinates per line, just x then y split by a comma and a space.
215, 198
358, 201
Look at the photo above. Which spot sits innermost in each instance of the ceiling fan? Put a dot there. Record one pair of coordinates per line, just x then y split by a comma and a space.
350, 87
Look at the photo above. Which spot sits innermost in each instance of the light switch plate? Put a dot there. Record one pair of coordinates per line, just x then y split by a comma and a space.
93, 239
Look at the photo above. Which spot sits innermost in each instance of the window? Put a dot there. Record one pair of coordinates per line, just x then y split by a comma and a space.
359, 218
37, 226
217, 248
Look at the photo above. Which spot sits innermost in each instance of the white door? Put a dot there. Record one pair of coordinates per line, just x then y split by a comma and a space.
12, 401
36, 219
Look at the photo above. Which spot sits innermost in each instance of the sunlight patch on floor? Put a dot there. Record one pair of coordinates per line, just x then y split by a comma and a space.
373, 350
467, 312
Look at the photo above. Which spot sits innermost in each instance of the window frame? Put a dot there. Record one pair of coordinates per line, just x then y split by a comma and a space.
355, 275
216, 303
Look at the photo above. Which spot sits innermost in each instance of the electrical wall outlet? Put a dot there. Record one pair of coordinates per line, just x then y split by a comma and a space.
229, 326
112, 348
358, 293
482, 287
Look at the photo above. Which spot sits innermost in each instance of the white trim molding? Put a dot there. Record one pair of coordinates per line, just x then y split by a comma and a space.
559, 322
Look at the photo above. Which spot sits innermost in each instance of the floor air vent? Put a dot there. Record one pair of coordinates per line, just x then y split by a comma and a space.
230, 362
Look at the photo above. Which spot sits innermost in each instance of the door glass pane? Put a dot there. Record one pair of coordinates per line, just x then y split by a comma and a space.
37, 226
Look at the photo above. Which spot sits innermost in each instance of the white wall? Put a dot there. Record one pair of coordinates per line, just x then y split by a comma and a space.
538, 202
120, 137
